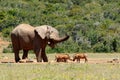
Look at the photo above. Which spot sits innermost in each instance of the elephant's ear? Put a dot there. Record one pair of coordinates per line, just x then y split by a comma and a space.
41, 30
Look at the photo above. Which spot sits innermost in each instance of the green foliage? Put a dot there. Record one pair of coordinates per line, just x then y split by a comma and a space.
6, 32
8, 49
90, 23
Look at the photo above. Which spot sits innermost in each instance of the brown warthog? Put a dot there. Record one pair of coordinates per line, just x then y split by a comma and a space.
62, 57
79, 56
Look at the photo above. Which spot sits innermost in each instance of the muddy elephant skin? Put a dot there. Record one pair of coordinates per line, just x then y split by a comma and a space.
26, 37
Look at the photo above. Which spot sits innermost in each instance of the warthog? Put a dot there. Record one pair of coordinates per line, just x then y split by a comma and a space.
62, 57
79, 56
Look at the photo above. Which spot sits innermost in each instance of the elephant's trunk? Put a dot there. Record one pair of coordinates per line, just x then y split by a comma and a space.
58, 40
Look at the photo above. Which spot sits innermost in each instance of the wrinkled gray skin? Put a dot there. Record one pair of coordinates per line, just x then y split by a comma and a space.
25, 37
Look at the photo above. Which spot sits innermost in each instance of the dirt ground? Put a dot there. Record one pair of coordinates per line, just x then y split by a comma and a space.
3, 44
90, 61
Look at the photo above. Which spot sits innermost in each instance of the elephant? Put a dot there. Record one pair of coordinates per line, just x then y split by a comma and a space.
79, 56
26, 37
62, 57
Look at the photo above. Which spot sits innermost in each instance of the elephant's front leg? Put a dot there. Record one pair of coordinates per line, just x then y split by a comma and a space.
38, 55
45, 59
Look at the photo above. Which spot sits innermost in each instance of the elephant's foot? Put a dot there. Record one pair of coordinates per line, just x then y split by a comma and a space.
45, 59
39, 60
17, 60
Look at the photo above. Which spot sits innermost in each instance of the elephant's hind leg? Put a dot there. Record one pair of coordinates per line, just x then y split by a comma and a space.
25, 54
16, 53
16, 48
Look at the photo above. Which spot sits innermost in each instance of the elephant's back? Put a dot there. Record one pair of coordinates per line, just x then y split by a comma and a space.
23, 28
23, 35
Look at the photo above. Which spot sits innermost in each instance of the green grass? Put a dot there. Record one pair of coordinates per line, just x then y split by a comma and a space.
60, 71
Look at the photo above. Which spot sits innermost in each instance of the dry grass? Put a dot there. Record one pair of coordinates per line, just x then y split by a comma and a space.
61, 71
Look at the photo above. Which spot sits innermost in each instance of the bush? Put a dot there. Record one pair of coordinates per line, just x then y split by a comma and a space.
7, 50
88, 22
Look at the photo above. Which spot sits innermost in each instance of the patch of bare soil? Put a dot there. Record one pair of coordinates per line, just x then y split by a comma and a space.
103, 60
3, 44
90, 61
